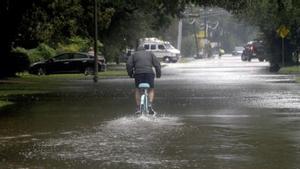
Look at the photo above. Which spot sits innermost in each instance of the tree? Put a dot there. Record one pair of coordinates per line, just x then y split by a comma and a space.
30, 22
11, 12
120, 22
132, 20
279, 12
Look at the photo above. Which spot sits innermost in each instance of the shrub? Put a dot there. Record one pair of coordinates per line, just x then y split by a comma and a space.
39, 53
45, 51
74, 44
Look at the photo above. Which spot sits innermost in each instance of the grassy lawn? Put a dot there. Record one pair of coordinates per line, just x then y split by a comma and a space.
185, 59
5, 103
291, 70
32, 84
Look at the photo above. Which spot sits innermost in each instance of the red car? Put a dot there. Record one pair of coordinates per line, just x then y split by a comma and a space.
253, 49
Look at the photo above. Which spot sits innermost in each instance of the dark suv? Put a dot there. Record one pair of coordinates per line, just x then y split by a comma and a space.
253, 49
68, 63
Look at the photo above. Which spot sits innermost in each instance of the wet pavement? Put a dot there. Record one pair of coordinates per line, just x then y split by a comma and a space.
213, 114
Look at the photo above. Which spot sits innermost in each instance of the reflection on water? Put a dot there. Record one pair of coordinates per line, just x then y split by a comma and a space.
130, 140
230, 116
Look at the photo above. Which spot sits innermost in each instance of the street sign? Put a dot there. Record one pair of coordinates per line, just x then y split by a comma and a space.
283, 31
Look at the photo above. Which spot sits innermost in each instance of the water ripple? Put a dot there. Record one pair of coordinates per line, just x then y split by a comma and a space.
127, 140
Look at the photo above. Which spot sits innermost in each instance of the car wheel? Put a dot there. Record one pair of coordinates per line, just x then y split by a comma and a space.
243, 58
102, 68
88, 71
41, 72
167, 59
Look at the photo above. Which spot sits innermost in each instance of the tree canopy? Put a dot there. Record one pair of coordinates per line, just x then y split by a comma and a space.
268, 16
29, 23
121, 22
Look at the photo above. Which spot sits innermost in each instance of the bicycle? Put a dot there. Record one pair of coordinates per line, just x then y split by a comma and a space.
144, 102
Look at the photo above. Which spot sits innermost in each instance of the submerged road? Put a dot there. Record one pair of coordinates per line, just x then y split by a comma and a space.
213, 114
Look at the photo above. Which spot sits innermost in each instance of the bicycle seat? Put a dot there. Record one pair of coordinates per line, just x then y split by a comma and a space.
144, 85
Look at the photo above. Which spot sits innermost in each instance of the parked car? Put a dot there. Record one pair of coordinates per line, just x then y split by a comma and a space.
68, 63
238, 51
253, 49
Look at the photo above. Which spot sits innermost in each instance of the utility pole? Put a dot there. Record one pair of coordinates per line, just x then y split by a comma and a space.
206, 14
194, 16
95, 42
196, 39
179, 34
205, 39
282, 52
205, 23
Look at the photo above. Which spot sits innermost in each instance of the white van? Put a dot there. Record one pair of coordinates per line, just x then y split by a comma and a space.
163, 50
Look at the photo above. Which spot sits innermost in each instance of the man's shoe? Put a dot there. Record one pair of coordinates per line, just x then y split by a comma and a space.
151, 111
137, 110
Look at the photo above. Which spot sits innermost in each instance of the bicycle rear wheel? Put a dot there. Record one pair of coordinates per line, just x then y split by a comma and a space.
144, 105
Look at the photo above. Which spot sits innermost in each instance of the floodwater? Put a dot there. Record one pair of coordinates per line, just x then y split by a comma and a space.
212, 114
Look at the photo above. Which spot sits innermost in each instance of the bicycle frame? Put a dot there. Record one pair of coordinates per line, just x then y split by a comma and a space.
144, 98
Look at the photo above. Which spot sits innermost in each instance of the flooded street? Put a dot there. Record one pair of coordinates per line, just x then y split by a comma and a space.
212, 114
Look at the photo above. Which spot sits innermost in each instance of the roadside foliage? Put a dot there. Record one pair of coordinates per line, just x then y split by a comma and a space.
53, 23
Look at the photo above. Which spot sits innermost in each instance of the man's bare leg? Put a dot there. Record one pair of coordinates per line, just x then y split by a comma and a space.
137, 97
151, 95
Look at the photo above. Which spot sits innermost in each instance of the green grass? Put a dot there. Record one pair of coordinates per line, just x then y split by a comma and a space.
80, 76
290, 70
184, 60
113, 73
5, 103
31, 84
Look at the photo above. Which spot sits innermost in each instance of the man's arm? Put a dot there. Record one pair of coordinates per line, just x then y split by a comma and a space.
129, 66
156, 65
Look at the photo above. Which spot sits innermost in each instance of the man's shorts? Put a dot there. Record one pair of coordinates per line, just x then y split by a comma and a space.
144, 78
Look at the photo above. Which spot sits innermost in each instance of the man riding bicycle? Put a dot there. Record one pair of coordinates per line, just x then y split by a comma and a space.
140, 67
